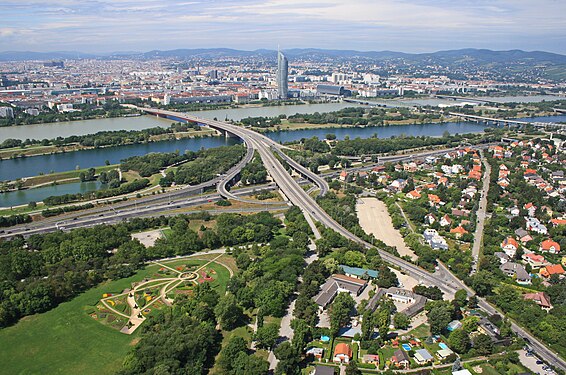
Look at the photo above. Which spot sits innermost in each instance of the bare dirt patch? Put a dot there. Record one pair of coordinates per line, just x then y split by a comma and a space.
148, 238
374, 219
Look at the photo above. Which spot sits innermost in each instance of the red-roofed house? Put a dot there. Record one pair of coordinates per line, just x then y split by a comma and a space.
540, 298
413, 194
510, 246
550, 246
459, 231
342, 353
535, 260
554, 269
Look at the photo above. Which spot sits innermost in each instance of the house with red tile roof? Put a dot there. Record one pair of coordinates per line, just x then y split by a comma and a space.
510, 246
550, 246
553, 269
535, 260
540, 298
459, 231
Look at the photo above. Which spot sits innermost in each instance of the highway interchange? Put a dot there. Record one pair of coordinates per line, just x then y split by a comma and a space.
292, 191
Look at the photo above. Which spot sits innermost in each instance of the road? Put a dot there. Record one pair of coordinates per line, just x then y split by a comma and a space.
444, 279
481, 214
267, 148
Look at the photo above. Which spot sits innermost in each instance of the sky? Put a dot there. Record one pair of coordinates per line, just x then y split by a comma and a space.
368, 25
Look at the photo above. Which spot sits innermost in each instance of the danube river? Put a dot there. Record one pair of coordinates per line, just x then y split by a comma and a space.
11, 169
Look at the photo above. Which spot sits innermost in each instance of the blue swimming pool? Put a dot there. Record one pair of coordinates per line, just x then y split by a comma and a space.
443, 345
324, 338
407, 347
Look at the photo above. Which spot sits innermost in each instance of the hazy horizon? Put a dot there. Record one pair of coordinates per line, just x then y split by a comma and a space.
412, 26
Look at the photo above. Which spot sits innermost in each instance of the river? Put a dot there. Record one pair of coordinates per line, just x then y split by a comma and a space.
23, 167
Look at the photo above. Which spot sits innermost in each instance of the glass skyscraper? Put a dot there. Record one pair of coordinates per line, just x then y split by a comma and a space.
282, 75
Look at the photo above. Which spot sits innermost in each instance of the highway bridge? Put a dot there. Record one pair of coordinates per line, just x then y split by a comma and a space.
513, 122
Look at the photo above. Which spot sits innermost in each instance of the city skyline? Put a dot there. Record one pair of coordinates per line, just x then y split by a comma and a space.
407, 26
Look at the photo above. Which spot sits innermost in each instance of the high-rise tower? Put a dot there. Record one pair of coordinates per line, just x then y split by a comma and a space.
282, 75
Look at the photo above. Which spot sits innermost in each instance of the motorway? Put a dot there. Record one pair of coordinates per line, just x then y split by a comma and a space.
296, 195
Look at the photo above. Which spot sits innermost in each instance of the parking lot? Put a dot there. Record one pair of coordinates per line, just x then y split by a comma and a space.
530, 362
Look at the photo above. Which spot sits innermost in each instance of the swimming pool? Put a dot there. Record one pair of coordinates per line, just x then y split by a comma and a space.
443, 345
324, 338
407, 347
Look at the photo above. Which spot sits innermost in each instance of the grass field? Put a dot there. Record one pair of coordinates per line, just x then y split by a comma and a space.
66, 340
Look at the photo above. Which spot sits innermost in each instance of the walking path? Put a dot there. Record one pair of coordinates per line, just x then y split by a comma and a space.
167, 284
481, 214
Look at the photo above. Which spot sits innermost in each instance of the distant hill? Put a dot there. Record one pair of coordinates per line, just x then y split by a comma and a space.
477, 55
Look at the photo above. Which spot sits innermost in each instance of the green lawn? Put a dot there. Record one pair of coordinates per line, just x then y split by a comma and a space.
421, 331
66, 340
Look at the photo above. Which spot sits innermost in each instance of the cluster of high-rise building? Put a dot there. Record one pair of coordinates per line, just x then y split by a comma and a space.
65, 85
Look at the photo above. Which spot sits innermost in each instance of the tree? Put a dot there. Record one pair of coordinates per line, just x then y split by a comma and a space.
439, 316
301, 334
228, 312
387, 278
461, 297
470, 323
230, 352
250, 364
401, 321
483, 344
459, 340
352, 368
288, 360
266, 336
340, 312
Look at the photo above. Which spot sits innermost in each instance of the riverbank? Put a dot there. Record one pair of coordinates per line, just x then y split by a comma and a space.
39, 150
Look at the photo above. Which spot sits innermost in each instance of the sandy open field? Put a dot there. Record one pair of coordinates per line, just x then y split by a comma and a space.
148, 238
374, 219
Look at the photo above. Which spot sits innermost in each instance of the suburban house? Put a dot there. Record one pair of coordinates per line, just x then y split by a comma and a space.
413, 194
416, 301
510, 246
550, 246
459, 231
370, 358
535, 260
316, 352
342, 353
336, 284
531, 208
445, 221
523, 235
503, 258
422, 356
533, 224
400, 359
540, 298
429, 219
517, 271
435, 240
553, 269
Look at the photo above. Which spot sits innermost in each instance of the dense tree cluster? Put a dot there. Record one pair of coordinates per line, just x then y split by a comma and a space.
208, 163
39, 273
123, 189
8, 221
178, 340
254, 172
149, 164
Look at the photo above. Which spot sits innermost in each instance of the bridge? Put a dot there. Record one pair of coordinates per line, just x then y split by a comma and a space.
508, 122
